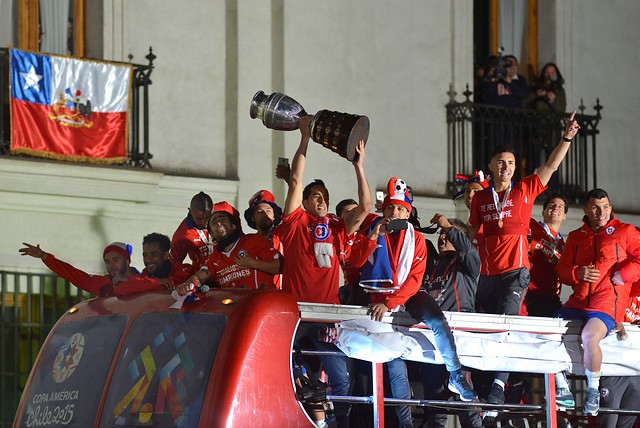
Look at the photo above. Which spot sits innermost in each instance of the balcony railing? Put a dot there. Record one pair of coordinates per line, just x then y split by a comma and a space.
474, 130
138, 155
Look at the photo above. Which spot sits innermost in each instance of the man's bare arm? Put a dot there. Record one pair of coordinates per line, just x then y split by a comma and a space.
356, 216
294, 194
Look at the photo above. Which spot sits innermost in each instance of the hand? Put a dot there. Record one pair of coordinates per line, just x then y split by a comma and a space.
380, 229
551, 97
283, 172
541, 92
305, 127
167, 283
617, 279
184, 288
588, 274
33, 251
357, 161
378, 311
246, 261
620, 331
442, 222
378, 206
572, 127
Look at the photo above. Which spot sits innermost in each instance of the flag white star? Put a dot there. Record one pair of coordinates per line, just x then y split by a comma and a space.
31, 79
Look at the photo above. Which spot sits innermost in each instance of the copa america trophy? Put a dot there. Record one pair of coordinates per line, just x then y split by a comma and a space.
339, 132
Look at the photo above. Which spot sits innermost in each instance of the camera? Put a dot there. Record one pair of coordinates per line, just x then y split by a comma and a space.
501, 65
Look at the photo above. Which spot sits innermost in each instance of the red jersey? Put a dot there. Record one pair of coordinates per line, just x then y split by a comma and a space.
302, 276
544, 253
101, 285
505, 248
225, 272
178, 273
190, 241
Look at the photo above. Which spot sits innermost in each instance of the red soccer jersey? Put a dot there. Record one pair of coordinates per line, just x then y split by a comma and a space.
545, 250
505, 248
226, 273
101, 285
302, 276
190, 241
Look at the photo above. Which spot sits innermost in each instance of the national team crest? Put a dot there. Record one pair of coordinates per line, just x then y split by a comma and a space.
609, 230
242, 253
68, 358
321, 231
604, 392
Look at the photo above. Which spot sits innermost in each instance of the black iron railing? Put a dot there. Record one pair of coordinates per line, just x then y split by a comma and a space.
474, 130
138, 155
30, 304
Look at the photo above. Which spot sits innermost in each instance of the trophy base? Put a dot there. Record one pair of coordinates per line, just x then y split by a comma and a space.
340, 132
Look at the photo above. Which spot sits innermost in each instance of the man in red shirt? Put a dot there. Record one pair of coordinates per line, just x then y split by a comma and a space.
313, 237
121, 278
263, 213
155, 255
504, 212
313, 240
237, 260
543, 295
600, 261
191, 238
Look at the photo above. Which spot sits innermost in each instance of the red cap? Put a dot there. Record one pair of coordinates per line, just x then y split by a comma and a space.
121, 248
226, 207
266, 197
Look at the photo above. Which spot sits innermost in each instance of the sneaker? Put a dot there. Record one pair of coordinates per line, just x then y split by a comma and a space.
592, 402
328, 335
496, 395
458, 384
564, 398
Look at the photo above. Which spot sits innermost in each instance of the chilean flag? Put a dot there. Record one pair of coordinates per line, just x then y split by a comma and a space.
69, 109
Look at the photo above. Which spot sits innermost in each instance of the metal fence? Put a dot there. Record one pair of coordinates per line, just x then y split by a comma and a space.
138, 155
30, 306
474, 130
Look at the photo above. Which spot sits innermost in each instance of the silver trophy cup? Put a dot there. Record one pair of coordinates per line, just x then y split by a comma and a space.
338, 132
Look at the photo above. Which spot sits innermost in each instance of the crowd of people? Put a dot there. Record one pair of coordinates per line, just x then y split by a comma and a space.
499, 261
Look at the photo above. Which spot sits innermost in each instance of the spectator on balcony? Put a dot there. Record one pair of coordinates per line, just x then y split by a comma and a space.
548, 90
191, 238
121, 279
548, 96
504, 212
506, 88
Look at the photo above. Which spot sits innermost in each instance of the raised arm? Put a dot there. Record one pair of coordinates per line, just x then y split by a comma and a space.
294, 195
356, 216
546, 170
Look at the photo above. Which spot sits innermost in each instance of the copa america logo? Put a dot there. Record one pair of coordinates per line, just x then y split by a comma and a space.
321, 232
68, 358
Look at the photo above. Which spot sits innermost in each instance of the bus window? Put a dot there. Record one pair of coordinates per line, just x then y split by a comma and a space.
67, 384
162, 373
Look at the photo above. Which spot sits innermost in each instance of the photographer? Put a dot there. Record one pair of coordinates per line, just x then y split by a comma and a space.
549, 91
507, 88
